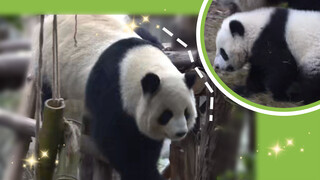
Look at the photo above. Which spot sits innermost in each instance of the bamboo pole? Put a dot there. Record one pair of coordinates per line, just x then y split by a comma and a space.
50, 137
69, 155
67, 165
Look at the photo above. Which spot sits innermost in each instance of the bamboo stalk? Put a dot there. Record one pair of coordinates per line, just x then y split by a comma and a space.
68, 164
69, 155
50, 137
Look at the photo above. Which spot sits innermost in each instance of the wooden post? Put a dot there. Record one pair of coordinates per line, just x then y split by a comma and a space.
27, 109
21, 125
219, 139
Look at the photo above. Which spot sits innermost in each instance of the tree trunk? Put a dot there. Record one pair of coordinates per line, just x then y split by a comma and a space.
219, 140
183, 156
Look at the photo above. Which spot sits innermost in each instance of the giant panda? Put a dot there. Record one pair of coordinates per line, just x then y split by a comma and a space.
247, 5
282, 47
134, 96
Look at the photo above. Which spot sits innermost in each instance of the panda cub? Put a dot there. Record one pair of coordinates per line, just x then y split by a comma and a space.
134, 96
247, 5
282, 46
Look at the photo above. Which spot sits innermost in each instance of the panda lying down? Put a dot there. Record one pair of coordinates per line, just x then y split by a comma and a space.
282, 47
134, 96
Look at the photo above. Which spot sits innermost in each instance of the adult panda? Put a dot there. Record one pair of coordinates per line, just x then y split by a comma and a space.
247, 5
282, 46
135, 97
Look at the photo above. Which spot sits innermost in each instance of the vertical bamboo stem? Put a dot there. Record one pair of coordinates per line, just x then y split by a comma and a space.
50, 137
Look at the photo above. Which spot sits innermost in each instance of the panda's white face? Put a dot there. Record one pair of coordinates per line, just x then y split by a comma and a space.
168, 111
231, 47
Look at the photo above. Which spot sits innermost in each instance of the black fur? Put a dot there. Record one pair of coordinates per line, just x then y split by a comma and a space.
190, 78
146, 35
273, 67
224, 54
165, 117
150, 83
131, 153
236, 28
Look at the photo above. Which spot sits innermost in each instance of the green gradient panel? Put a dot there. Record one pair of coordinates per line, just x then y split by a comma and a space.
101, 6
291, 163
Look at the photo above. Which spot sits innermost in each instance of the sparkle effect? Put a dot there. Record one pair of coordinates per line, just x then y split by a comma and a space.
44, 154
301, 150
277, 149
31, 161
289, 142
131, 26
145, 19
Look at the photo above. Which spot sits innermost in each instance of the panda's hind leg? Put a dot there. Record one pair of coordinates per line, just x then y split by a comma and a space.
309, 80
278, 82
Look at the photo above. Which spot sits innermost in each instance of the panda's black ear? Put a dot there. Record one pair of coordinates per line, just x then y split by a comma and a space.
150, 83
190, 78
236, 28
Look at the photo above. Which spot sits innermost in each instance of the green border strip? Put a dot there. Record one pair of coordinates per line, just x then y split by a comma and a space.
208, 63
163, 7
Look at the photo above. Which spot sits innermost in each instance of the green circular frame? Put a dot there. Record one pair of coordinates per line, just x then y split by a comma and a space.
209, 65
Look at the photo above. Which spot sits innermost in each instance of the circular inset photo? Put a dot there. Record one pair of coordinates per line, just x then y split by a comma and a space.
263, 56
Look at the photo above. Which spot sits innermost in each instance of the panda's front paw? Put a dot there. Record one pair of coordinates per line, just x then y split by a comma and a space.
242, 91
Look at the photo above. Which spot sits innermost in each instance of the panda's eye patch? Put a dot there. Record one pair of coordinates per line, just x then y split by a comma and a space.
186, 114
165, 117
224, 54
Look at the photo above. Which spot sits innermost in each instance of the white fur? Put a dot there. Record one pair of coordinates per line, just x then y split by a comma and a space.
303, 38
173, 93
94, 34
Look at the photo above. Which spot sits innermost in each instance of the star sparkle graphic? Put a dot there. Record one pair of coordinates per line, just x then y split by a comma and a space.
44, 154
276, 149
289, 142
145, 19
31, 161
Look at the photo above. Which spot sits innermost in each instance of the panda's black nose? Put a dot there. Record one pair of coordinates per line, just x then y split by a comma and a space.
181, 134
